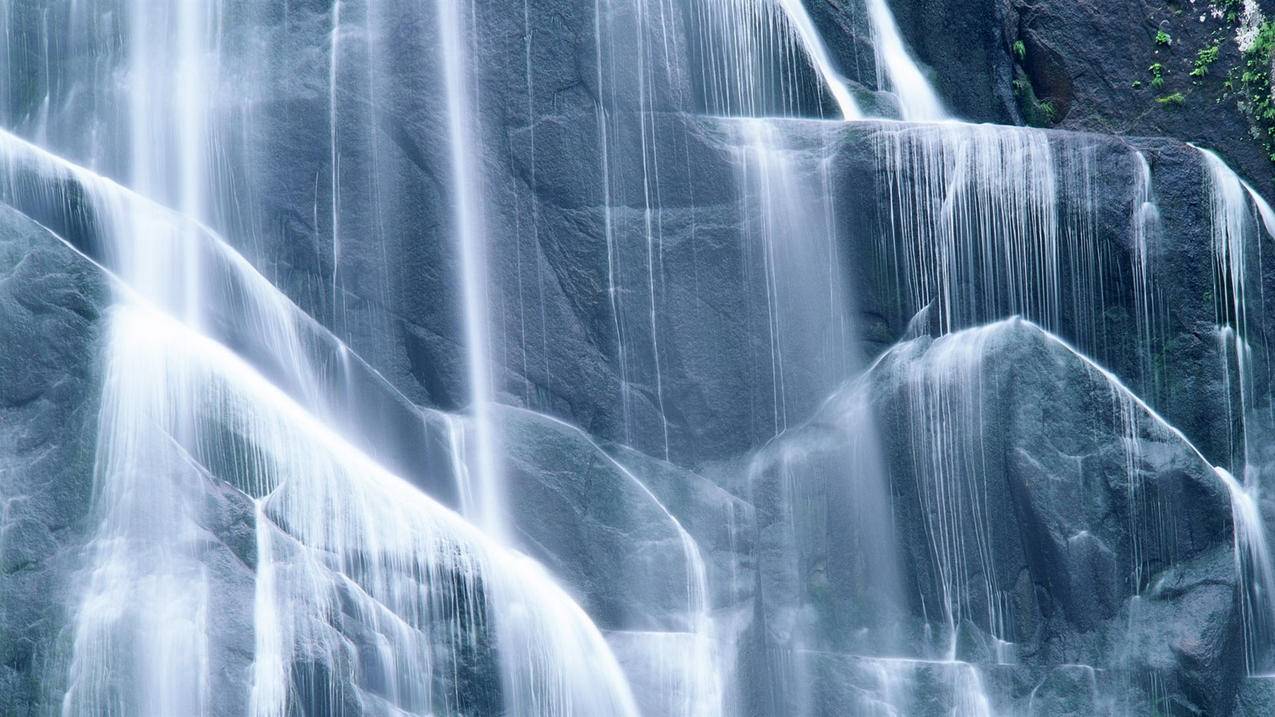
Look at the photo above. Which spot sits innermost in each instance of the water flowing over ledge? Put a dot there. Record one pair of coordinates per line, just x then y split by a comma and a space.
619, 357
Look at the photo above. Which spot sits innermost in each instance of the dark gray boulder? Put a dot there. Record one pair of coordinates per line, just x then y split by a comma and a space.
1030, 497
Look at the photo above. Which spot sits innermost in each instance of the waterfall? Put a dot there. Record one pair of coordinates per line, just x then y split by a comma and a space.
753, 54
795, 231
982, 222
945, 424
181, 414
813, 45
632, 358
1239, 217
898, 71
470, 239
416, 577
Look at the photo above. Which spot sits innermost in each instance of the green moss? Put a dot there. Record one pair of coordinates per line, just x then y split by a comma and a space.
1174, 100
1163, 38
1020, 50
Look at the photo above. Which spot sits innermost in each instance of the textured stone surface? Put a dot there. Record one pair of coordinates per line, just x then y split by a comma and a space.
1045, 512
51, 303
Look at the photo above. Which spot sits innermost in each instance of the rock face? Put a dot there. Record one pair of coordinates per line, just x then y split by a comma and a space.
51, 300
1030, 528
788, 409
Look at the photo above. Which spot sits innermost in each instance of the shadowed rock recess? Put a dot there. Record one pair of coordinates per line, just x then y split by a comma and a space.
687, 358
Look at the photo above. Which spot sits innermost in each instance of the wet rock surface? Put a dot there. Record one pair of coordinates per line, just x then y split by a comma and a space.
51, 304
1060, 550
1033, 521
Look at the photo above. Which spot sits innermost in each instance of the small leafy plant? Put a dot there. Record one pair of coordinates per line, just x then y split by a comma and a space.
1020, 50
1157, 75
1204, 59
1176, 99
1163, 38
1036, 113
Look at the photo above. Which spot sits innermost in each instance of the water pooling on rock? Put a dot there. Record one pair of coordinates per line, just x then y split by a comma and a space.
609, 357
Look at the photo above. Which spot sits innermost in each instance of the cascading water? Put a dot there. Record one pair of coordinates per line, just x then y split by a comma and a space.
470, 238
182, 414
899, 72
820, 469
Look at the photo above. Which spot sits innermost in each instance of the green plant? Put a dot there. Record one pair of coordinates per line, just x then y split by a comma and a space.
1020, 50
1163, 38
1036, 113
1174, 100
1137, 84
1255, 80
1157, 75
1232, 9
1203, 60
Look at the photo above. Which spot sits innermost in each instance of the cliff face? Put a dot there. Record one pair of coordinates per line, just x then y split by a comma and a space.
791, 414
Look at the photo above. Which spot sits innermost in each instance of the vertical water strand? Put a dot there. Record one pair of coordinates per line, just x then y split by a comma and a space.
647, 130
269, 696
1266, 215
1256, 567
334, 153
170, 139
41, 129
666, 59
387, 200
841, 334
791, 230
534, 202
535, 210
1151, 520
759, 146
1126, 412
1146, 226
605, 85
1076, 243
470, 237
6, 61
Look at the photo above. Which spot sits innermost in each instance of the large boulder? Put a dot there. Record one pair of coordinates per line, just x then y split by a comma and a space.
1042, 516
